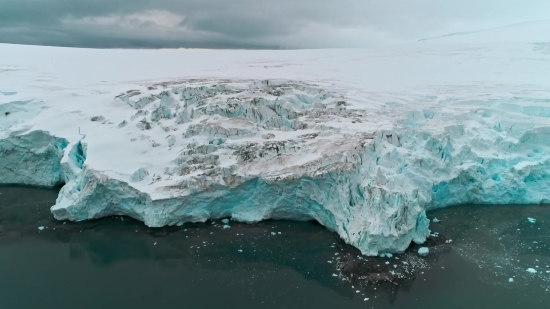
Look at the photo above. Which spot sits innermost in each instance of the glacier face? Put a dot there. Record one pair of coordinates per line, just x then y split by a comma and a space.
371, 187
360, 148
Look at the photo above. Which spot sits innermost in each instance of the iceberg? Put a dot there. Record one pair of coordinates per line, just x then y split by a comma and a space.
423, 251
362, 142
531, 270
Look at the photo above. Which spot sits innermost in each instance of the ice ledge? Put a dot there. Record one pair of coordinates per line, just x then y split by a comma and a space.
33, 158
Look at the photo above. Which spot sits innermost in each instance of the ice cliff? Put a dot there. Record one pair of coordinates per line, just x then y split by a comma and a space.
33, 158
254, 152
366, 164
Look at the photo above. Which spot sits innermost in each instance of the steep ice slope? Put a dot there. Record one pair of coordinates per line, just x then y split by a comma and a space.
363, 141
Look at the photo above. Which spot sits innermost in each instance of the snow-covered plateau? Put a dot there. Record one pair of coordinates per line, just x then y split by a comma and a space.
362, 140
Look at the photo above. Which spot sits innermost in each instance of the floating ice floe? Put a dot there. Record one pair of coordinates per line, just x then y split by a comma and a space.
531, 270
423, 251
40, 228
531, 220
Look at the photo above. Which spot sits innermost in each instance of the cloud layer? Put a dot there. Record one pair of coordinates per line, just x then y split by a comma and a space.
251, 23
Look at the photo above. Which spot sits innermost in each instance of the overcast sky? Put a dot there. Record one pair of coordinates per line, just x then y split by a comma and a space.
252, 23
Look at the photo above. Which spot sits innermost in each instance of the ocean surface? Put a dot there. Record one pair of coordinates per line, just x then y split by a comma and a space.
479, 258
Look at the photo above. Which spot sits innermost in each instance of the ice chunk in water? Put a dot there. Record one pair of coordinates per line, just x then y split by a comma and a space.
423, 251
531, 270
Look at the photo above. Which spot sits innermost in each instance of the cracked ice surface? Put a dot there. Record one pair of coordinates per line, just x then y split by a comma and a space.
363, 141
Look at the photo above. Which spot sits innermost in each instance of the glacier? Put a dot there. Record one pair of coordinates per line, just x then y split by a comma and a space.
362, 141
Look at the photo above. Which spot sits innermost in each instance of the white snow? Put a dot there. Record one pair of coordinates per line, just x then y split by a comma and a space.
362, 140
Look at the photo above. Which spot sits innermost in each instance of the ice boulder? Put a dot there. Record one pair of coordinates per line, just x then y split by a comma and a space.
423, 251
139, 174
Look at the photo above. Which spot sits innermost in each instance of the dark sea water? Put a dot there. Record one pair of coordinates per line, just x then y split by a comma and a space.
119, 263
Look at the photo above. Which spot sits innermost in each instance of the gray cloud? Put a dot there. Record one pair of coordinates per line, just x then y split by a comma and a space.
251, 23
